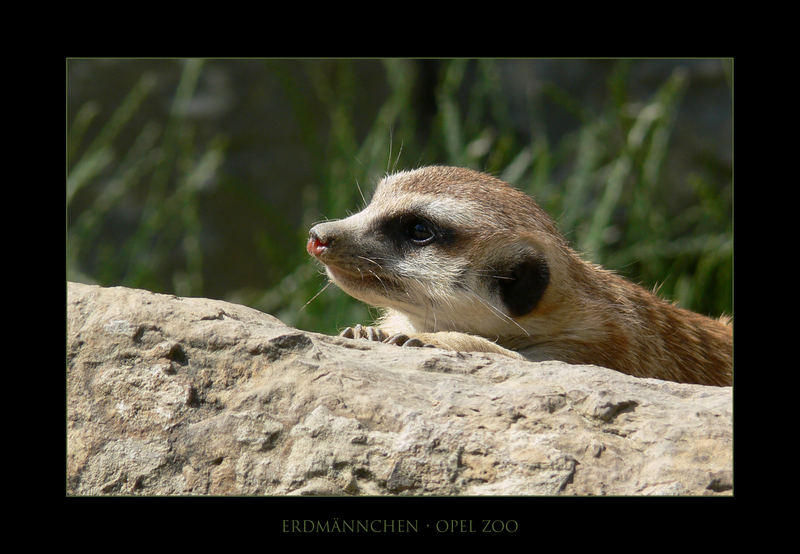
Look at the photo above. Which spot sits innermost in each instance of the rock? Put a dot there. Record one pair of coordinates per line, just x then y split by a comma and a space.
191, 396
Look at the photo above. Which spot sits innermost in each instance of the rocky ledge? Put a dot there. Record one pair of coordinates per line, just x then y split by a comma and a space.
191, 396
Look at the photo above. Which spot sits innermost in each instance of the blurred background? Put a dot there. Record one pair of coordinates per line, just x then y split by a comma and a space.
202, 177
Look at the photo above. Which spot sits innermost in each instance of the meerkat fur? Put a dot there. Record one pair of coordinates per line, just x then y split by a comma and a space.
463, 261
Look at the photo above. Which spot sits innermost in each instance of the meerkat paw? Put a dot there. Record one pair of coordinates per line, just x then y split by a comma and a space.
459, 342
364, 332
401, 339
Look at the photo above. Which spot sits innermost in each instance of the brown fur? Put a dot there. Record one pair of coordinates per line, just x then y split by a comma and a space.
586, 314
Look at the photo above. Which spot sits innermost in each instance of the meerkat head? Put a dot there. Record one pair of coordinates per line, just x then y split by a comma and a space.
452, 249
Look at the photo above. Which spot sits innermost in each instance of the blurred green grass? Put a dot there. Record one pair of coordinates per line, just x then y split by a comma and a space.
603, 183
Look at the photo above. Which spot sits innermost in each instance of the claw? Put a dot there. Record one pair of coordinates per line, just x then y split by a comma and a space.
401, 339
360, 332
375, 334
379, 335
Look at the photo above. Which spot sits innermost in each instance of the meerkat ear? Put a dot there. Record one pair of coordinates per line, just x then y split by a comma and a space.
523, 283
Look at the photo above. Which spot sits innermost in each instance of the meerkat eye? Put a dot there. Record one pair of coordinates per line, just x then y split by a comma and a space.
420, 233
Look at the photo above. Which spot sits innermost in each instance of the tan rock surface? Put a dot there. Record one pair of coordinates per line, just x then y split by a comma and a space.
191, 396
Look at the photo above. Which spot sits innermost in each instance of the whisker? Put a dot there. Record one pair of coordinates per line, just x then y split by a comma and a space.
398, 156
364, 200
380, 281
429, 310
495, 311
389, 157
313, 297
371, 261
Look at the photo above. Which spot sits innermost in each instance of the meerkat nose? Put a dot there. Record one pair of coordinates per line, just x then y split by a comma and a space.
314, 246
318, 241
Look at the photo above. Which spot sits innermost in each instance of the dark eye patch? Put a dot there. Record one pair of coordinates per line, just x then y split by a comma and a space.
413, 230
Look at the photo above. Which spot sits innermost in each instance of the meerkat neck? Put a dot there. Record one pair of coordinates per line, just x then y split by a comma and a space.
613, 322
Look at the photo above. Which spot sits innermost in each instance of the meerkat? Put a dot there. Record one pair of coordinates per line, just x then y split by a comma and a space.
463, 261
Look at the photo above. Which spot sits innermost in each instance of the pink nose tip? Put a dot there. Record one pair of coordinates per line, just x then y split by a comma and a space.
315, 246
